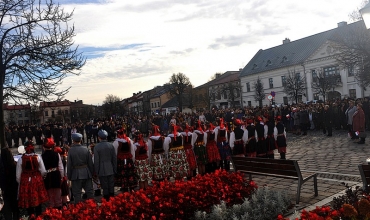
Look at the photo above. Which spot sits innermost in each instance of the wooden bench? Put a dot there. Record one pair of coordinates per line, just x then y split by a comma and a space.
287, 169
365, 175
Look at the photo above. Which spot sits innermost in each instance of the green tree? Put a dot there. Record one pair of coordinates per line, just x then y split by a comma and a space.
259, 94
36, 51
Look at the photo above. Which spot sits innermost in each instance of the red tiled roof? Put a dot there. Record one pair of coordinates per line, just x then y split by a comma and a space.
55, 103
15, 107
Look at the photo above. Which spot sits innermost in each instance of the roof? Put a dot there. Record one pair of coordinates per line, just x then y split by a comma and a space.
174, 103
55, 104
16, 107
226, 77
294, 52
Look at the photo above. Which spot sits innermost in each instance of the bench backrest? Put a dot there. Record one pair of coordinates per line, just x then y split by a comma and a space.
365, 174
288, 168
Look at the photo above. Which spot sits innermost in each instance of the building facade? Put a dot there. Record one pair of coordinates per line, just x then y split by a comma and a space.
306, 57
17, 114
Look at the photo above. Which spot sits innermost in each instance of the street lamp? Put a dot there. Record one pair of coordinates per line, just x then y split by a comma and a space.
365, 13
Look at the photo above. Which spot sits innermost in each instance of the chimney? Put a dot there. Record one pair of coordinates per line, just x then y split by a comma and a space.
133, 93
341, 24
240, 69
286, 40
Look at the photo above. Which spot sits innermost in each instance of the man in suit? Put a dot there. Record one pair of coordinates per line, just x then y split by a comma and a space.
105, 162
80, 169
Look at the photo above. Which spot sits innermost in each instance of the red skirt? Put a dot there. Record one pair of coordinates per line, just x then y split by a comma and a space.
190, 157
32, 190
212, 151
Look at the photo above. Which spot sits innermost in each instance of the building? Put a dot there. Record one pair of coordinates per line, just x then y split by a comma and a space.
135, 104
160, 95
82, 112
225, 90
304, 57
17, 114
56, 111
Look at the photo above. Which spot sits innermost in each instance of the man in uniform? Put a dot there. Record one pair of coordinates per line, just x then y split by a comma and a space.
105, 162
80, 169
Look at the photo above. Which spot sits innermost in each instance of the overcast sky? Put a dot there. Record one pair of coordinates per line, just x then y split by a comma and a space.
133, 46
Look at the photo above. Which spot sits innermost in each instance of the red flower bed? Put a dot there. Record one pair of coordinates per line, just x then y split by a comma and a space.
164, 200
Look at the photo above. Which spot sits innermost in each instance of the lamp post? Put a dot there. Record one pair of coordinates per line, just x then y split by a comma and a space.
365, 13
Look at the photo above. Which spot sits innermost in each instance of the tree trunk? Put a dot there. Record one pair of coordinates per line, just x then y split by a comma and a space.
2, 123
260, 103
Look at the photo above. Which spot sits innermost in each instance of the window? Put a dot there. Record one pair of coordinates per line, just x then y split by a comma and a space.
333, 70
351, 70
299, 98
218, 95
284, 59
59, 112
225, 95
352, 93
268, 63
316, 96
52, 113
248, 87
250, 103
283, 80
65, 112
254, 66
20, 114
314, 76
298, 76
46, 113
271, 83
158, 104
285, 100
26, 114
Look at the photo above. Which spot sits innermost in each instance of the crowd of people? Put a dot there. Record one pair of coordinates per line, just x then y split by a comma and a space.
131, 151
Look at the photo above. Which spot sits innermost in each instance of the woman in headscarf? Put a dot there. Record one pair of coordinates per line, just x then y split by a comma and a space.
177, 162
199, 140
126, 176
30, 173
142, 160
55, 173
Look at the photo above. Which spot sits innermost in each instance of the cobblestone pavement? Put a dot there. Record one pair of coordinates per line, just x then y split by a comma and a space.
335, 159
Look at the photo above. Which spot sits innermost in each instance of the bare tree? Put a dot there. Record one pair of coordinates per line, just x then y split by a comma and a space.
352, 47
322, 84
214, 76
37, 51
231, 91
178, 85
259, 95
111, 105
356, 15
295, 85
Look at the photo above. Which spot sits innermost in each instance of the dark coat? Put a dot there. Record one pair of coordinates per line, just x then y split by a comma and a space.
359, 120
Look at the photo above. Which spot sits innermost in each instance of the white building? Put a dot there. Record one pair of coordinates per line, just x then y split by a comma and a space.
304, 56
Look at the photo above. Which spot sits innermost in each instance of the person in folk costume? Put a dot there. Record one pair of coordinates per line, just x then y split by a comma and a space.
270, 139
177, 162
238, 138
212, 150
251, 143
126, 177
198, 141
55, 173
158, 159
261, 130
95, 178
222, 137
190, 156
29, 173
64, 185
141, 160
280, 137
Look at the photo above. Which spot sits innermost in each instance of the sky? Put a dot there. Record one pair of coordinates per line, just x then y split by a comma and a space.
133, 46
